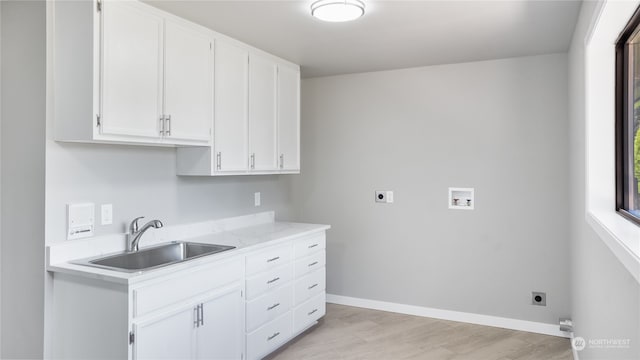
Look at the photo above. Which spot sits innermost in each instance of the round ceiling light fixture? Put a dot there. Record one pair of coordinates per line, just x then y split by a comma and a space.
337, 10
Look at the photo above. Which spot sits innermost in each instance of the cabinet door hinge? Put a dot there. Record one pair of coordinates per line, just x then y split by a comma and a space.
97, 120
99, 5
132, 337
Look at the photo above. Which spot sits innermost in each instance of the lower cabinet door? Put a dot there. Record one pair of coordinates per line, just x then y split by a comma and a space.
220, 335
168, 336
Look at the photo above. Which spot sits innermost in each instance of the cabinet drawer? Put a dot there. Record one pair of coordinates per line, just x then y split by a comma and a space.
263, 282
309, 285
307, 246
267, 338
268, 307
309, 263
309, 312
147, 298
268, 259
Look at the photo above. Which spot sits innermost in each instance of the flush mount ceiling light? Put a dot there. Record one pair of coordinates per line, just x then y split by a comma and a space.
337, 10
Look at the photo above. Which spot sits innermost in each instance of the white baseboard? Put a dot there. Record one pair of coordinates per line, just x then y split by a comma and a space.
495, 321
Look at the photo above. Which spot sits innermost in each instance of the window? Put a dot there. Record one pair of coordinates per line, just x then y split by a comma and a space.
628, 120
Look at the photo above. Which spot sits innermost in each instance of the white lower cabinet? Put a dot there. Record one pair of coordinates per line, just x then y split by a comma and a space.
219, 335
206, 330
268, 307
169, 336
269, 337
285, 292
309, 312
242, 307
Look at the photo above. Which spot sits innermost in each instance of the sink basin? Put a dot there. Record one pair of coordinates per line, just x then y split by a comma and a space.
154, 257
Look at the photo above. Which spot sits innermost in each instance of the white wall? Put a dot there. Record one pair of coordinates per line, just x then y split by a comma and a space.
605, 296
499, 126
22, 182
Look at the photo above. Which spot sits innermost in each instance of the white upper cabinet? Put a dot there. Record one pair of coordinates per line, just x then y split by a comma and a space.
257, 116
131, 70
289, 119
125, 72
262, 113
144, 77
231, 92
188, 83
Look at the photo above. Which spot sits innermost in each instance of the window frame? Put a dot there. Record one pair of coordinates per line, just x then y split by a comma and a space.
622, 107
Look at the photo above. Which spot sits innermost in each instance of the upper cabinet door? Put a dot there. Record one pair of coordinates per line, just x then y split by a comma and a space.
262, 113
230, 122
131, 70
188, 84
289, 118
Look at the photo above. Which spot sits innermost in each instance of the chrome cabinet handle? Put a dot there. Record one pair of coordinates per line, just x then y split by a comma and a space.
312, 286
312, 246
273, 280
312, 312
196, 316
219, 160
273, 259
201, 314
281, 161
168, 130
273, 306
273, 336
313, 263
161, 125
253, 161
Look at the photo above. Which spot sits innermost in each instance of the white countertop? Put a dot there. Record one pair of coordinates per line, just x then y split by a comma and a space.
248, 238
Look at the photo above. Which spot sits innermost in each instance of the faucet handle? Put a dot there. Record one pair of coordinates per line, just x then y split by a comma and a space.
133, 227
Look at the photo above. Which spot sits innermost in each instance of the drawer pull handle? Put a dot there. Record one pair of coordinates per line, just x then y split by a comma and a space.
273, 280
312, 286
273, 259
313, 312
313, 263
273, 306
272, 336
312, 246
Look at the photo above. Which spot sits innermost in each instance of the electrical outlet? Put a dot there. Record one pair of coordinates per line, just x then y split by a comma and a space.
538, 298
384, 196
256, 199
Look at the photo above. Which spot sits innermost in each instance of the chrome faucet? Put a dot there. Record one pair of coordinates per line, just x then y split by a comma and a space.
134, 235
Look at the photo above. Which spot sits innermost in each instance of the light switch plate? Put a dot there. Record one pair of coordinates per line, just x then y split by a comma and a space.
256, 199
80, 220
106, 214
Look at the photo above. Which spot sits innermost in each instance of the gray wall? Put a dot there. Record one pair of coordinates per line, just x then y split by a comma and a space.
605, 297
142, 181
499, 126
23, 177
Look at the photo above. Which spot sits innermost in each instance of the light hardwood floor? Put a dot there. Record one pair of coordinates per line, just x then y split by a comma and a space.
354, 333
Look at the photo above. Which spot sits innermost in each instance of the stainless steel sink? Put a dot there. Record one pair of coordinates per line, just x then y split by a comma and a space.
154, 257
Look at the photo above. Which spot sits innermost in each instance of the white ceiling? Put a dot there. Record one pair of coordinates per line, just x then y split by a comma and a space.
392, 34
